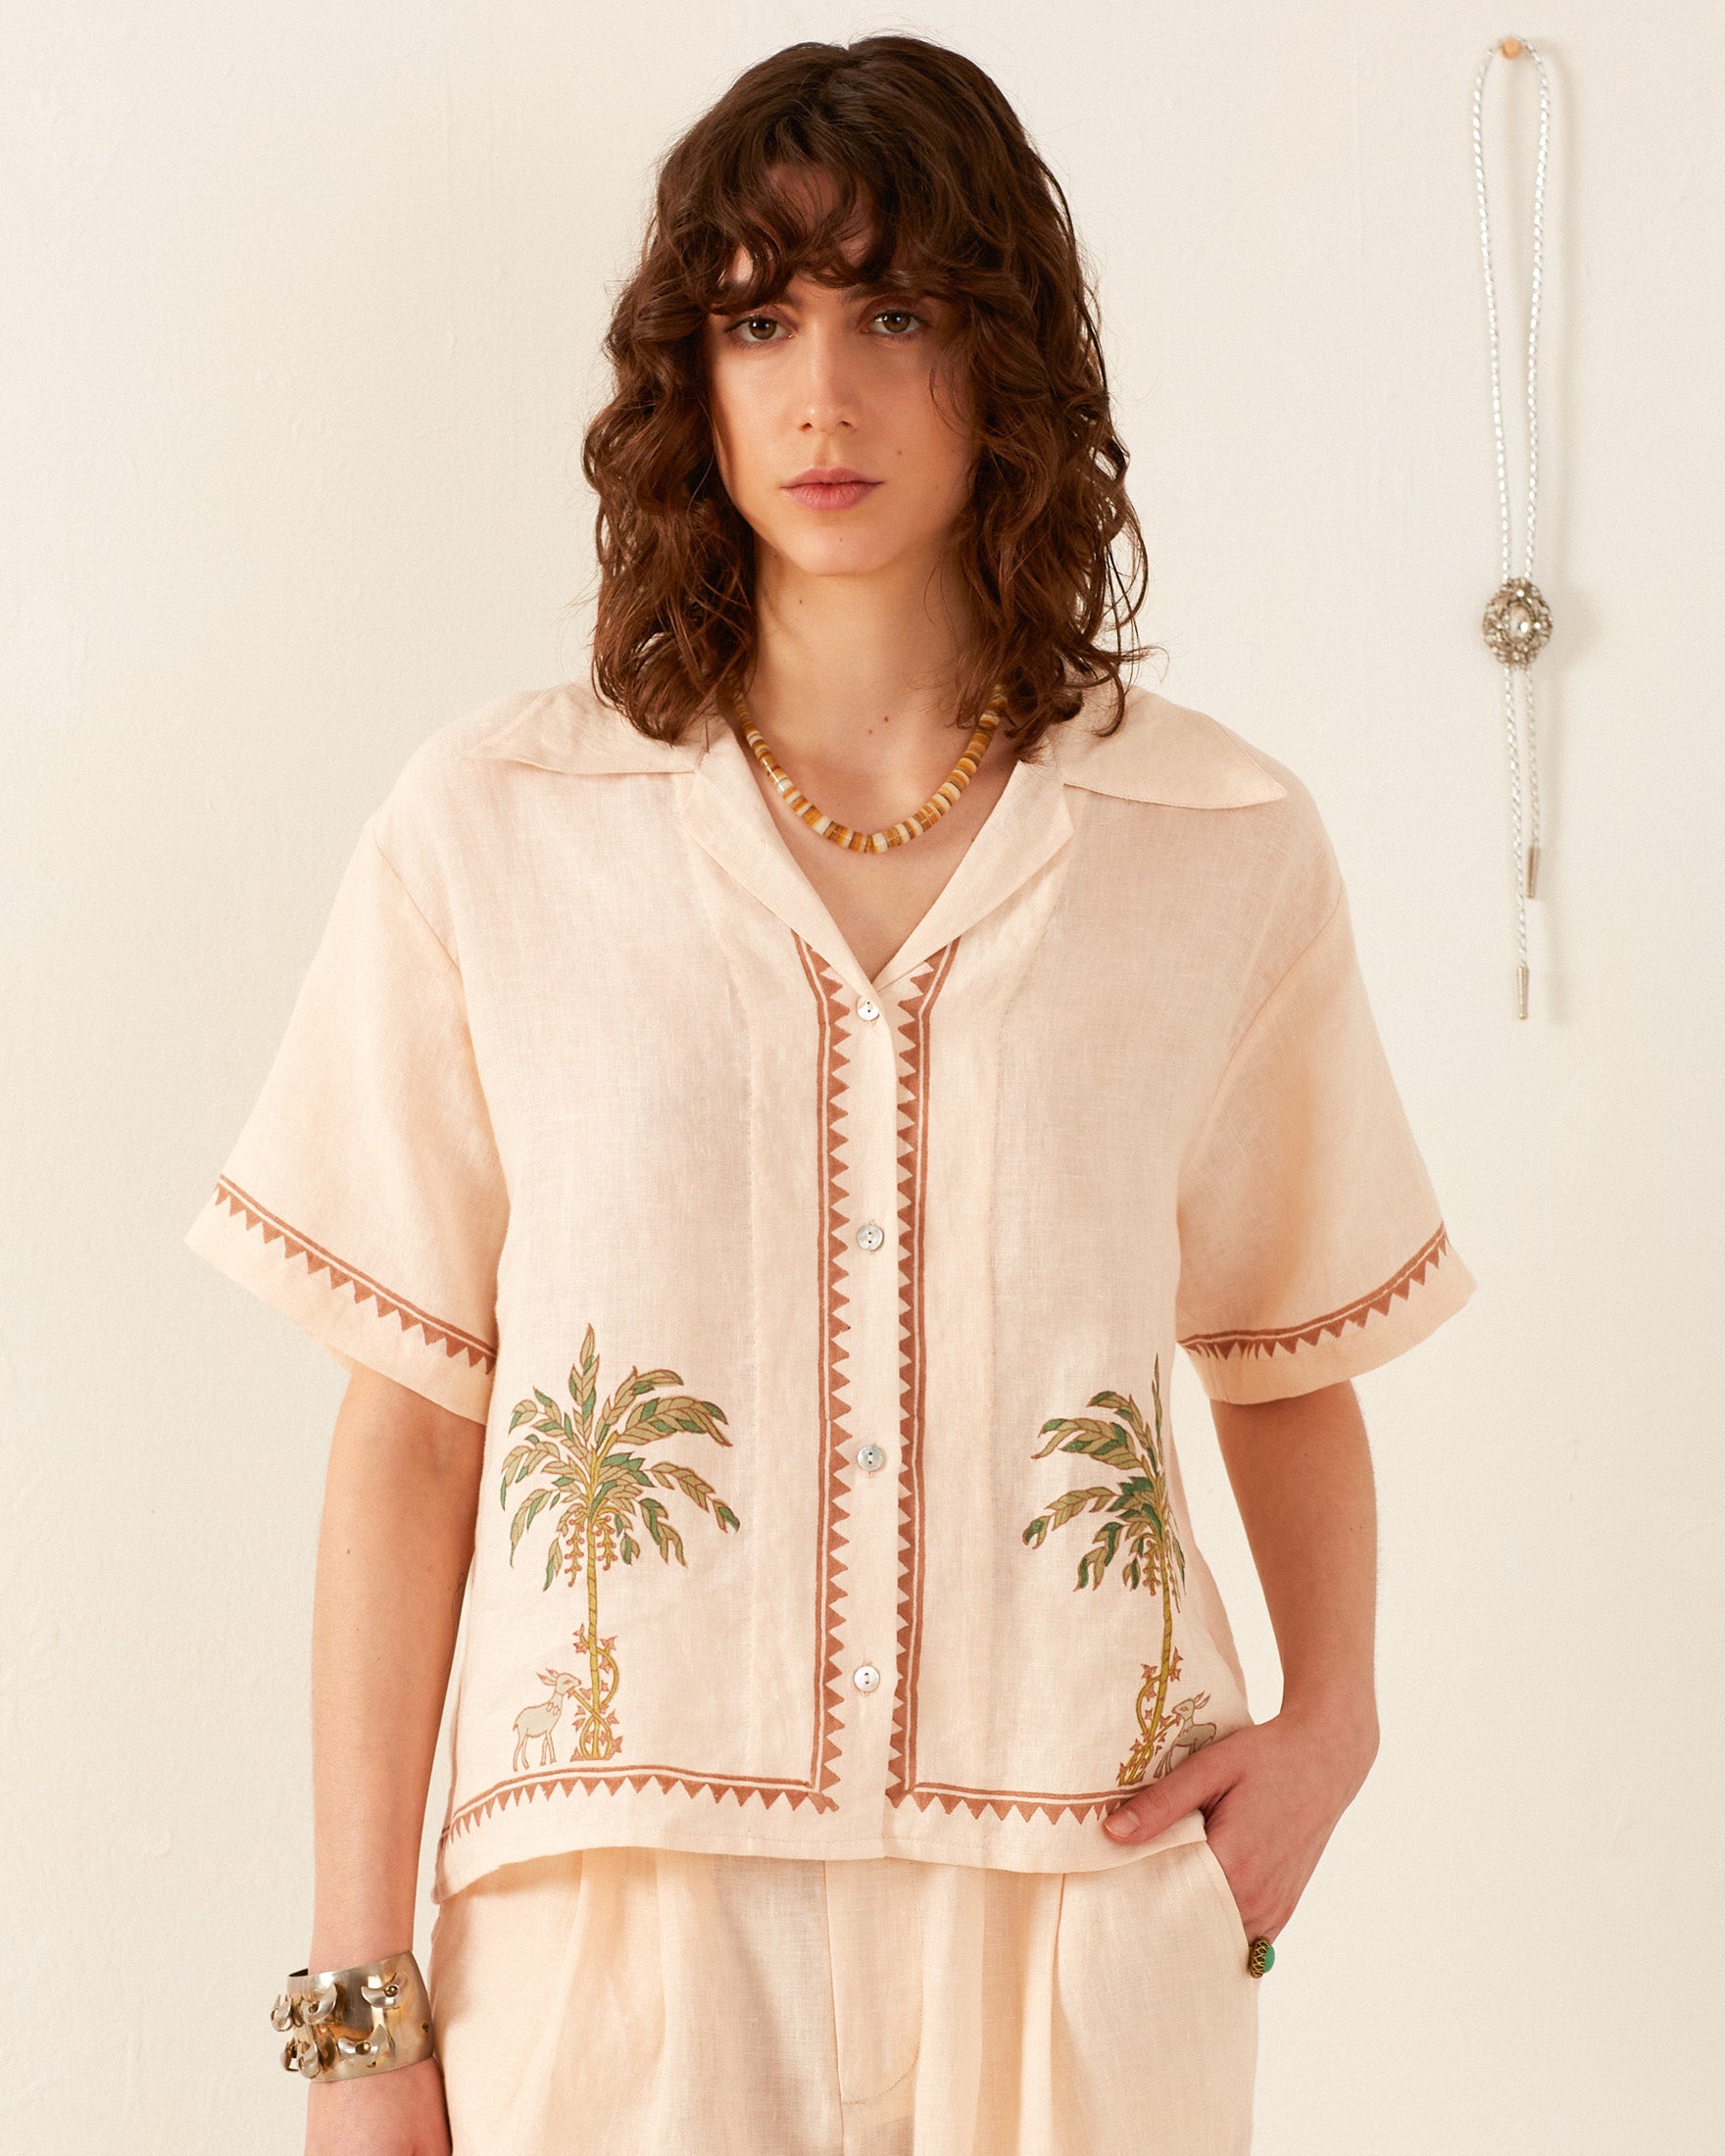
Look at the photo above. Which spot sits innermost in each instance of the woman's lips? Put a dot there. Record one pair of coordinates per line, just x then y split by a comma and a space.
820, 493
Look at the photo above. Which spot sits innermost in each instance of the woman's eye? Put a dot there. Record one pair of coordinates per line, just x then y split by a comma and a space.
900, 324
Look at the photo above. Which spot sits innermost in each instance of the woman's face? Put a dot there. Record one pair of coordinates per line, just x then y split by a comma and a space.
827, 383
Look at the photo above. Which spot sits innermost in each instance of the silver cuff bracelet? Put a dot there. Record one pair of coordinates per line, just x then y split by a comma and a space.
343, 2023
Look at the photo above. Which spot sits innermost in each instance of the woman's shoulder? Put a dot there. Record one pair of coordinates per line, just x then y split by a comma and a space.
1172, 755
1261, 832
451, 812
443, 787
563, 727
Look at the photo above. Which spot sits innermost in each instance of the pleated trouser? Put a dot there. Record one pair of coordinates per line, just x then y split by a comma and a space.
617, 2002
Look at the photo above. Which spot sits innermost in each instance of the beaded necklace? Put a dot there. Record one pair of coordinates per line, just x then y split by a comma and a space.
894, 834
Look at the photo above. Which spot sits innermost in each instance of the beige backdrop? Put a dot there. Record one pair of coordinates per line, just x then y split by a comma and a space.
302, 307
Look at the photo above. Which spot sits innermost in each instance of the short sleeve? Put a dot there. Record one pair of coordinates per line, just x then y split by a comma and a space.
364, 1197
1311, 1242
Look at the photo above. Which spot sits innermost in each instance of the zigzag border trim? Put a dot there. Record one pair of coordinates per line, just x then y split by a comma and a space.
831, 1016
1401, 1283
572, 1781
438, 1332
1054, 1805
830, 1003
902, 1788
918, 1004
903, 1785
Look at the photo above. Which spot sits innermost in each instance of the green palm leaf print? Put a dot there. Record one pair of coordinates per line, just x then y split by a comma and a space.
1134, 1523
599, 1486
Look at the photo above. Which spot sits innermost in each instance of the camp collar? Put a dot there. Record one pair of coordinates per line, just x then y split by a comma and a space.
1162, 751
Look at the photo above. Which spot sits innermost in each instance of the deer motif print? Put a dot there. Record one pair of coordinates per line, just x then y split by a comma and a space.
1137, 1516
1190, 1736
601, 1487
540, 1721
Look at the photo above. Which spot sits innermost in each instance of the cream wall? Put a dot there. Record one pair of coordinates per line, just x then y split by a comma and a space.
301, 311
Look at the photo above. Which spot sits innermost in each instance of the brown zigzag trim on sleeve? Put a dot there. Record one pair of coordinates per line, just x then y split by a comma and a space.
437, 1330
1400, 1284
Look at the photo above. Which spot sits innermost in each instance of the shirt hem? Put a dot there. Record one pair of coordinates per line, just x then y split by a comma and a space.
1008, 1846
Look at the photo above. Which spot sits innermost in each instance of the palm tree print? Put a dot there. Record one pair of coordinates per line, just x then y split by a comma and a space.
1137, 1519
600, 1487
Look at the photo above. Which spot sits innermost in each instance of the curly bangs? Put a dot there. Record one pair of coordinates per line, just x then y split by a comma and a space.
930, 165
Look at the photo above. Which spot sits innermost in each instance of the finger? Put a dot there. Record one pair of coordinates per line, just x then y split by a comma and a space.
1155, 1808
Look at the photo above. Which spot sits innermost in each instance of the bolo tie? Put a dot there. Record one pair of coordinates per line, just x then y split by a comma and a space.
1517, 622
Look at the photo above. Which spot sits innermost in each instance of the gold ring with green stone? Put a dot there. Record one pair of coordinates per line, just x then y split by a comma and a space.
1261, 1956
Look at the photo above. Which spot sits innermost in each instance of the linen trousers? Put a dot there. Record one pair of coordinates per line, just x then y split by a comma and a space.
623, 2001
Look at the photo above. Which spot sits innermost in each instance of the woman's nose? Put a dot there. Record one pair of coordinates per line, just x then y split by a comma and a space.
828, 388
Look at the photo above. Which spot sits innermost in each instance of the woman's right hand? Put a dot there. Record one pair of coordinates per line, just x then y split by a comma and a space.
397, 2111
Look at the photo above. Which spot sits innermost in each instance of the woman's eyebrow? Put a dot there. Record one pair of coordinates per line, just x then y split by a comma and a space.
849, 292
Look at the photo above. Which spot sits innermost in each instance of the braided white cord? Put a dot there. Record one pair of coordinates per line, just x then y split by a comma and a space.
1485, 244
1518, 889
1530, 885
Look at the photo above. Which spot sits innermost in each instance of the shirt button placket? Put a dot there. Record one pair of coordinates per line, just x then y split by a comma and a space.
869, 1611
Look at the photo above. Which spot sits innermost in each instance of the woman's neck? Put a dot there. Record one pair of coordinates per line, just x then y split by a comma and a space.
854, 679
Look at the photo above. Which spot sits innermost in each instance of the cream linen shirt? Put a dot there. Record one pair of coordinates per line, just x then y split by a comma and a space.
822, 1326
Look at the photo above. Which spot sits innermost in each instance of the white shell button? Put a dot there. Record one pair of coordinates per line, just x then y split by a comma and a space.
865, 1677
870, 1458
870, 1236
867, 1007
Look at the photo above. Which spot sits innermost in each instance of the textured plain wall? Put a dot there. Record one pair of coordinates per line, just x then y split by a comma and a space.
302, 307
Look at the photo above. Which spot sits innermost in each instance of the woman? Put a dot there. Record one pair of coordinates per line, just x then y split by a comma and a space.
754, 1130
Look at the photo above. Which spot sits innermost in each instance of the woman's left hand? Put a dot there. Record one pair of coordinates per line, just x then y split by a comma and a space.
1271, 1794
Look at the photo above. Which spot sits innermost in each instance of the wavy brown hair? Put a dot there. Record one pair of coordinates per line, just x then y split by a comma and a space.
931, 164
